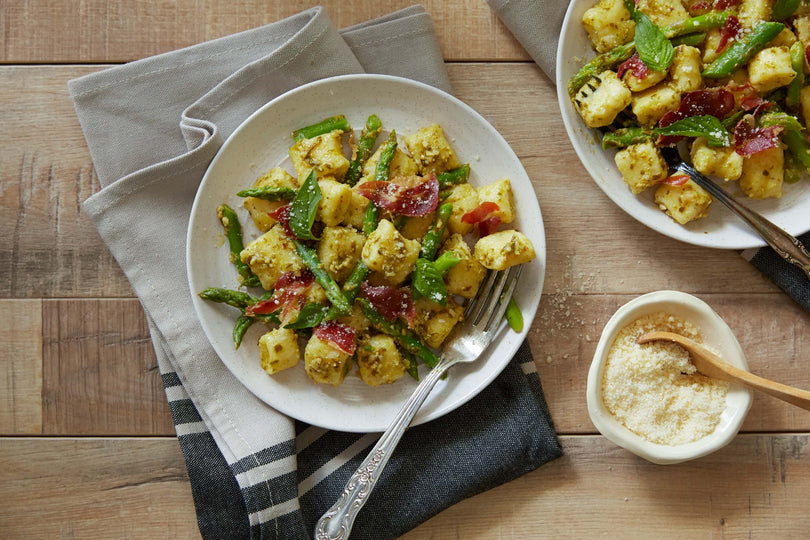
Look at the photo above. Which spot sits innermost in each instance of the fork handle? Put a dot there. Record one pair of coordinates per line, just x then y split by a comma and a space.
337, 522
787, 246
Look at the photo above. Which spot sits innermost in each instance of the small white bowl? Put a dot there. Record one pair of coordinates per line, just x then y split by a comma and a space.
716, 335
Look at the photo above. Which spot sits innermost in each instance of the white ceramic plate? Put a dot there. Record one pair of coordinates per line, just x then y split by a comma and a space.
720, 229
262, 142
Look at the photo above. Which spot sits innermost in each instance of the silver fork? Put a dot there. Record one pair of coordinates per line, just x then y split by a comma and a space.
483, 316
787, 246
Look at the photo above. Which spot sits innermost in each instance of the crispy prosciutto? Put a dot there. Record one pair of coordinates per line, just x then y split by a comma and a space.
338, 334
749, 139
391, 303
633, 64
282, 216
730, 31
288, 295
483, 218
725, 4
415, 201
675, 180
717, 102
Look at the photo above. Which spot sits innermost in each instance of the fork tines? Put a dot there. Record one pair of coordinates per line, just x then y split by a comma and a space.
489, 304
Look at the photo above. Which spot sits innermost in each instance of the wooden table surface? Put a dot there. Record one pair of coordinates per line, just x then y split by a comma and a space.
87, 446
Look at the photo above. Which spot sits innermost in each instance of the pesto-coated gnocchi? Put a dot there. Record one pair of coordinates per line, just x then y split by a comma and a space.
724, 81
365, 251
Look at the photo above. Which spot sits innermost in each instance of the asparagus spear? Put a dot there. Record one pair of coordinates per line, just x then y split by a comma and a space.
448, 179
324, 126
381, 173
364, 146
233, 231
351, 287
269, 193
433, 238
617, 55
383, 169
396, 330
324, 279
739, 52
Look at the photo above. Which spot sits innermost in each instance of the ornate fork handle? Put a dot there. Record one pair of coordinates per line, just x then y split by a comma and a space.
787, 246
337, 522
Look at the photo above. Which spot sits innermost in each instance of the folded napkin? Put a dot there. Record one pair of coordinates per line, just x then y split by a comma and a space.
536, 24
152, 128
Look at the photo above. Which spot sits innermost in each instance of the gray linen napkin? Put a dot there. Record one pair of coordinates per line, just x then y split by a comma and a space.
152, 128
536, 24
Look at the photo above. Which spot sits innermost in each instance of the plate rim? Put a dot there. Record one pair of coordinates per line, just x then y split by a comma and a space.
530, 311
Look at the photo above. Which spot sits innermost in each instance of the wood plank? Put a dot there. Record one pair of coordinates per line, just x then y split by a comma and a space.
20, 367
97, 31
54, 249
597, 490
137, 488
100, 375
100, 370
55, 175
94, 489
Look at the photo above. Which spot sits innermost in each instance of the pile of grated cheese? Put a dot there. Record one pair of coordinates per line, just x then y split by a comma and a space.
653, 390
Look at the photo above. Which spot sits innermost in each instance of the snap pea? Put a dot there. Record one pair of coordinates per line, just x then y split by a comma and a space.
625, 137
513, 315
794, 88
741, 51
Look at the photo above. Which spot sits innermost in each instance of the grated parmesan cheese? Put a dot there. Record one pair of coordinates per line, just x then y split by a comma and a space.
653, 389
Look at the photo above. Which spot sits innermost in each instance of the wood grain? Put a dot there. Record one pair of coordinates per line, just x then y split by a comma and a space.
94, 489
98, 31
101, 378
77, 359
137, 488
100, 372
597, 490
56, 252
21, 367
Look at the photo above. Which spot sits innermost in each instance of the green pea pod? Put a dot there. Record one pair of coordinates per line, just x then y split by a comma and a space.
794, 88
741, 51
513, 316
624, 137
304, 207
782, 9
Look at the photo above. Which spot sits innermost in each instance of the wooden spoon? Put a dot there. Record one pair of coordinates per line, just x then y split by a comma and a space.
711, 365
